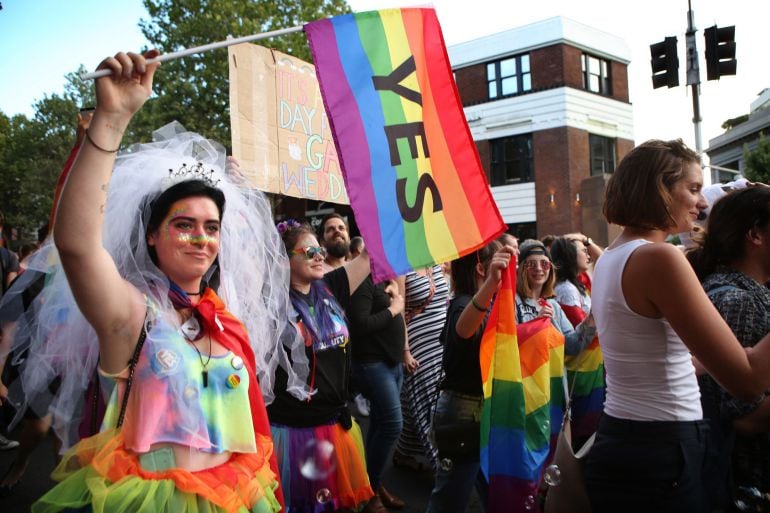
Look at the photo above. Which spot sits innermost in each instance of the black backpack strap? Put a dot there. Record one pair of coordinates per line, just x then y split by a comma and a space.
131, 368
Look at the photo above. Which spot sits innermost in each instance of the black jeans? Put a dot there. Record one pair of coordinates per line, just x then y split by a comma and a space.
647, 466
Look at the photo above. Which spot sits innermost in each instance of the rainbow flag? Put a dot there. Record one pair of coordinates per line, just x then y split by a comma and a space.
411, 168
585, 375
522, 369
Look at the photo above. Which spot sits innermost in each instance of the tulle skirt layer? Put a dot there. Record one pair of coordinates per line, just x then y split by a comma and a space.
100, 475
323, 468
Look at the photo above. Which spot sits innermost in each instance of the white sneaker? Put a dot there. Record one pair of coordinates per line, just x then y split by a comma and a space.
6, 444
362, 405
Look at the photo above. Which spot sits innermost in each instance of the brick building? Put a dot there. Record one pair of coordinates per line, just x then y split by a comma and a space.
548, 107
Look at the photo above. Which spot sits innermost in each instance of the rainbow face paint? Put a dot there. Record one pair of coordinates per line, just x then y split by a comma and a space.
166, 228
201, 238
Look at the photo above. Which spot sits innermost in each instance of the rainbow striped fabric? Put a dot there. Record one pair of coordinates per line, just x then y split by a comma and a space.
411, 168
522, 370
585, 375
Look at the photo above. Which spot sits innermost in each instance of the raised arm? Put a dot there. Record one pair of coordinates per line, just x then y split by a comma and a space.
472, 316
658, 280
101, 293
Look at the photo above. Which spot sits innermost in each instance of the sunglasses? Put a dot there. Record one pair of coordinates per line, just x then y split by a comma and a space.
545, 265
310, 252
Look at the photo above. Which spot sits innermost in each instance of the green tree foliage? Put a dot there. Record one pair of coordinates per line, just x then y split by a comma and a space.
733, 122
758, 161
33, 152
195, 90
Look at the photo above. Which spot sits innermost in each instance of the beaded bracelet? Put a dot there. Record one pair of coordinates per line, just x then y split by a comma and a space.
476, 305
88, 136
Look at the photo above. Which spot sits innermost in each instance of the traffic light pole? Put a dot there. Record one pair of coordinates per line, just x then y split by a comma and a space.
693, 74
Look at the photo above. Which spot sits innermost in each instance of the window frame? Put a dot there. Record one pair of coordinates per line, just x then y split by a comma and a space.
520, 76
500, 169
607, 143
603, 76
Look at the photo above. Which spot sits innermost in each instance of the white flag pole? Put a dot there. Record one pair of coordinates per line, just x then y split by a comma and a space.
199, 49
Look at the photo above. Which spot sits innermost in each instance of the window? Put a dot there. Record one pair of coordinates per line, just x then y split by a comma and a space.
596, 74
602, 154
511, 160
523, 231
509, 76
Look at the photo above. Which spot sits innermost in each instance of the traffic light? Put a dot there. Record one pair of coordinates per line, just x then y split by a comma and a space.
720, 52
665, 63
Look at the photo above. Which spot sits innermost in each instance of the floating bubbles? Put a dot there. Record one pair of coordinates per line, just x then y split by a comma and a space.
317, 460
529, 502
552, 475
323, 496
445, 464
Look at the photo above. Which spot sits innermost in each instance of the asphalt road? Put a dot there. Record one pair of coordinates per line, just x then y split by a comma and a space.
412, 486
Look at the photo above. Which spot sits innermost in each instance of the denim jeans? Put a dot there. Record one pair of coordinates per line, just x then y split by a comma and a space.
381, 384
454, 480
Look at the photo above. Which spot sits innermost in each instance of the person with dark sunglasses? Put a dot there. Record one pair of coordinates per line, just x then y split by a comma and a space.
316, 440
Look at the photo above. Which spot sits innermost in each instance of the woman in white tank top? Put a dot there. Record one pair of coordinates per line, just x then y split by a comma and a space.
651, 314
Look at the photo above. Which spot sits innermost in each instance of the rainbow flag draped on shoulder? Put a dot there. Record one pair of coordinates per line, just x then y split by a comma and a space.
522, 370
411, 167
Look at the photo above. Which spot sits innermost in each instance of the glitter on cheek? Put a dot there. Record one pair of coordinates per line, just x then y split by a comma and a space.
167, 222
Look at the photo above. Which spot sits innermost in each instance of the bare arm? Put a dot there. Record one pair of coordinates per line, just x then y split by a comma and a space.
471, 317
101, 293
756, 422
659, 281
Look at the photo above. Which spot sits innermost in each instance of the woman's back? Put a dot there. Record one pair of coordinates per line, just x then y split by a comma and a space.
650, 375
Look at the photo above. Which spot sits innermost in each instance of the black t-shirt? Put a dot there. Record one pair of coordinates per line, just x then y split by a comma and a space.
332, 370
462, 370
376, 335
9, 263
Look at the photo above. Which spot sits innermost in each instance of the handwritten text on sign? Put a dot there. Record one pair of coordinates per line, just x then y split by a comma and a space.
281, 134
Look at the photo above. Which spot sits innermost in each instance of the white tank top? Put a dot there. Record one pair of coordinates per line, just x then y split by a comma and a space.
650, 375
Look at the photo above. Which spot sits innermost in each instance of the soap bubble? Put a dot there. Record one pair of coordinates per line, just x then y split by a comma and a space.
446, 464
317, 460
529, 502
552, 475
323, 496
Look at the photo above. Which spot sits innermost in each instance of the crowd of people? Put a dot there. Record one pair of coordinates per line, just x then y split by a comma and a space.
193, 355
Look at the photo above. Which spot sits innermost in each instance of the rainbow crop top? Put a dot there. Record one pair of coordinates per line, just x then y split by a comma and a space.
168, 402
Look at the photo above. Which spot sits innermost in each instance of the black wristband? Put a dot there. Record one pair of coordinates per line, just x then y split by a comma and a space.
476, 305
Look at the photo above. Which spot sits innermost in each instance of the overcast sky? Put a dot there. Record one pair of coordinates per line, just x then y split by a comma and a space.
42, 40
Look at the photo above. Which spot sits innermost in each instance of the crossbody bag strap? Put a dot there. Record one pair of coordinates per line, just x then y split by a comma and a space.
131, 368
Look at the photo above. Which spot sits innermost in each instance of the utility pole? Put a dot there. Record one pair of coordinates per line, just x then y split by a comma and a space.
693, 74
720, 61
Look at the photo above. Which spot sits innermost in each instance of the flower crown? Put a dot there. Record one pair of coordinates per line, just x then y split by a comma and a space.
194, 172
287, 225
